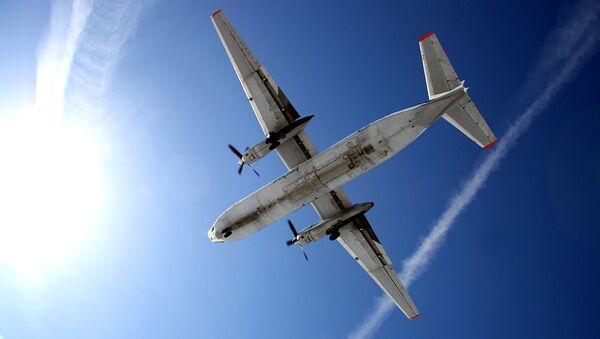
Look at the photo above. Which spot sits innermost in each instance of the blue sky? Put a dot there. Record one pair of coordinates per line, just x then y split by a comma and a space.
521, 261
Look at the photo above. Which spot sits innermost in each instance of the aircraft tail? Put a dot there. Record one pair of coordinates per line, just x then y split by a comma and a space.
441, 78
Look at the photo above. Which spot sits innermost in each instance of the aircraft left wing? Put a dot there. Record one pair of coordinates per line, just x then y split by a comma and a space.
274, 111
270, 105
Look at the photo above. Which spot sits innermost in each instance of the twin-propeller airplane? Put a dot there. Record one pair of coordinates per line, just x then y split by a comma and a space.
316, 178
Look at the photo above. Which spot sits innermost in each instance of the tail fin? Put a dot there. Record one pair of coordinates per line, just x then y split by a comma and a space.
441, 78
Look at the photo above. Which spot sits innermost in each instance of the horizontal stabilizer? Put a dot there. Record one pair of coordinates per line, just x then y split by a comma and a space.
441, 77
466, 118
439, 73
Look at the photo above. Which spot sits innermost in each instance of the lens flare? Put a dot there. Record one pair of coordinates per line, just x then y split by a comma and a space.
51, 189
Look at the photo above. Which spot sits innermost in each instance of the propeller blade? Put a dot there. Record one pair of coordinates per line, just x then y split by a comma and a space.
292, 228
235, 151
241, 157
303, 252
295, 240
255, 172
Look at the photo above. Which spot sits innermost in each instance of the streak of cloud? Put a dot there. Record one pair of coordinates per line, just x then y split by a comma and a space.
55, 55
52, 158
567, 49
111, 24
76, 58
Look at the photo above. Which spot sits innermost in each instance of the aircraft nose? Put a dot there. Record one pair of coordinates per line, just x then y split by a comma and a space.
212, 235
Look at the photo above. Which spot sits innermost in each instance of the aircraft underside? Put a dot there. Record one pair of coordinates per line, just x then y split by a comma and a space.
316, 178
328, 170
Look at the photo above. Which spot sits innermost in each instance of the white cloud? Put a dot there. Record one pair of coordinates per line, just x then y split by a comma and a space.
567, 49
55, 55
84, 42
51, 157
110, 26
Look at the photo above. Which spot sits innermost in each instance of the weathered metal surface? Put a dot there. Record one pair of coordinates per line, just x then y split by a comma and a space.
356, 154
316, 178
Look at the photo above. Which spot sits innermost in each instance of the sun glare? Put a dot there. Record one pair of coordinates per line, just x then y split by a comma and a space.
51, 188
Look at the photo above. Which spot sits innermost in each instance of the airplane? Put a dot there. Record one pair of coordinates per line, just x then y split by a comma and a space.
316, 178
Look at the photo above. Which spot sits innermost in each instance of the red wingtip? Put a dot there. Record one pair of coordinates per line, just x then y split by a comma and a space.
215, 13
415, 317
490, 144
426, 36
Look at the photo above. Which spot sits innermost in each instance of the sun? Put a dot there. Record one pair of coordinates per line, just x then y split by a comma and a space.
51, 189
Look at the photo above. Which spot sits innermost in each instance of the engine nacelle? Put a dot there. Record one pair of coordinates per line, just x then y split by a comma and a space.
274, 139
325, 227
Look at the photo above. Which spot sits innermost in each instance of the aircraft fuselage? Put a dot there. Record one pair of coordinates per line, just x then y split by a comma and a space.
335, 166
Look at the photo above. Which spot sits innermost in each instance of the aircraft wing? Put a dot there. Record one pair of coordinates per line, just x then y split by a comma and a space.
274, 111
271, 107
361, 242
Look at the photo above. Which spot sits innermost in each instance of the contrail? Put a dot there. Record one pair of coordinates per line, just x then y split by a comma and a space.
568, 48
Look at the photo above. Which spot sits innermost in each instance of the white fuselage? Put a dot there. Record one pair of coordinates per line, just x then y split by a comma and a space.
340, 163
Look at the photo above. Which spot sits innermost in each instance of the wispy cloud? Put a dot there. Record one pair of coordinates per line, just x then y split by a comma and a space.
567, 49
76, 58
110, 26
52, 157
56, 52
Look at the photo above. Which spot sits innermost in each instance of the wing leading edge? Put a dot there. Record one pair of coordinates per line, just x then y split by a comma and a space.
274, 111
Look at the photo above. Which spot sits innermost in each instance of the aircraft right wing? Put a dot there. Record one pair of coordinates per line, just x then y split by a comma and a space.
360, 241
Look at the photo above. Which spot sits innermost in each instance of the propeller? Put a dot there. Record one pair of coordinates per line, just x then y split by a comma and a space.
294, 232
242, 163
293, 241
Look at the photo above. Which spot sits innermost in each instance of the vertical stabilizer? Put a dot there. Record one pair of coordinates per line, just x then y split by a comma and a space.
441, 77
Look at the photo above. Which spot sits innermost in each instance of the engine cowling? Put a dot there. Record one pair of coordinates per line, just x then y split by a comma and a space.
328, 226
274, 139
